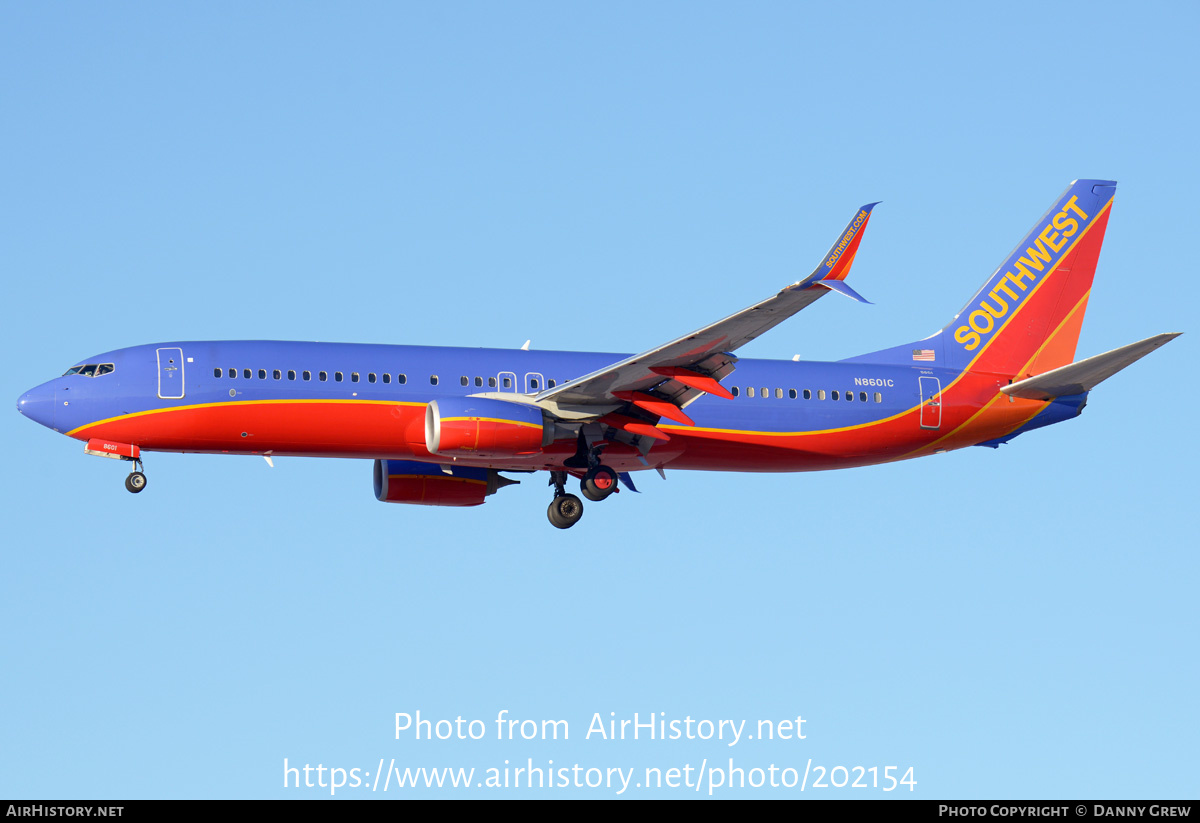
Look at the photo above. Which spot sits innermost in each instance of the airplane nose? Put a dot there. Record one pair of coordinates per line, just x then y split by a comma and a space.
38, 405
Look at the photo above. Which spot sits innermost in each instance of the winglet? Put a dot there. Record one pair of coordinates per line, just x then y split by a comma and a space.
842, 287
837, 262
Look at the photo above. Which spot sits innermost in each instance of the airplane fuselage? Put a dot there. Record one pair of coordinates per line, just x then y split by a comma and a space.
369, 401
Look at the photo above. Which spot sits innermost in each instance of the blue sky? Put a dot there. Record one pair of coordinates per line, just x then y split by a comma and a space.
1011, 623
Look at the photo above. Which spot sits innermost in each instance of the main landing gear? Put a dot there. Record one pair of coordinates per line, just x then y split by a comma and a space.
136, 481
598, 483
566, 509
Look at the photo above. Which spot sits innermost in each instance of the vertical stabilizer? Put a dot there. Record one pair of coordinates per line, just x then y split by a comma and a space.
1027, 317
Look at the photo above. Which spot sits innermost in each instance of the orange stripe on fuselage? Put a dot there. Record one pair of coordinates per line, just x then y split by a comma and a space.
350, 428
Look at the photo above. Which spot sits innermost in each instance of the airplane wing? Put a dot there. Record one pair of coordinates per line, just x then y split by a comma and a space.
687, 367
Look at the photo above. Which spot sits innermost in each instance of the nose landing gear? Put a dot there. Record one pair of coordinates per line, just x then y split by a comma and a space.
136, 481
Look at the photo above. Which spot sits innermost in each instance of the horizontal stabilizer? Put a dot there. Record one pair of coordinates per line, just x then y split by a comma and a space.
1085, 375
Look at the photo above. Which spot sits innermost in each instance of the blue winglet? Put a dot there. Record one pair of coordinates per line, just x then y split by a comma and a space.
840, 286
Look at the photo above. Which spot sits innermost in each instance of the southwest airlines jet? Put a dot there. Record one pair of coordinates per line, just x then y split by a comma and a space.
441, 424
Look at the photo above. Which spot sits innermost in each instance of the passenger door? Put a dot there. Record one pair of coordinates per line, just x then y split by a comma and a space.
931, 403
170, 374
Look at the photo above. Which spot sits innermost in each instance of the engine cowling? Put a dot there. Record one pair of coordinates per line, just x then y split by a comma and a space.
426, 484
480, 427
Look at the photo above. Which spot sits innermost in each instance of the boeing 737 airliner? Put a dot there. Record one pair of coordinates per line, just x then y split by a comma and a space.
442, 423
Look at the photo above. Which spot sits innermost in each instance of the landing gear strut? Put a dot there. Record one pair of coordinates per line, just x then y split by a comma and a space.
136, 481
565, 509
600, 481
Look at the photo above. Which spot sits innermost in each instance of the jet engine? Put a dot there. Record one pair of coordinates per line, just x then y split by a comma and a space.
480, 427
428, 484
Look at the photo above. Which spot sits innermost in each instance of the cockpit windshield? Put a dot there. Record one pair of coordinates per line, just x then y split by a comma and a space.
90, 370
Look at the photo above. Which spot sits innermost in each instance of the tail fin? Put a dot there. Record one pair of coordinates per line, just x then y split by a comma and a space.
1027, 317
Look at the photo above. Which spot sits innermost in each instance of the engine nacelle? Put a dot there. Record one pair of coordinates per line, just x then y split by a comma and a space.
427, 484
479, 427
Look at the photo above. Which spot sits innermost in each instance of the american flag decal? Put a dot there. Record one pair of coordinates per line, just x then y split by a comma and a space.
923, 354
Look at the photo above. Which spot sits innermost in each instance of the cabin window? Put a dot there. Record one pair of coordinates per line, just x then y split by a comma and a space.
387, 378
766, 392
307, 375
323, 376
337, 375
836, 396
478, 382
808, 394
792, 394
821, 394
533, 384
849, 396
277, 374
246, 373
402, 379
550, 383
262, 374
216, 373
464, 381
353, 377
233, 372
433, 379
371, 377
292, 374
749, 391
491, 382
862, 397
878, 397
779, 394
734, 391
508, 382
